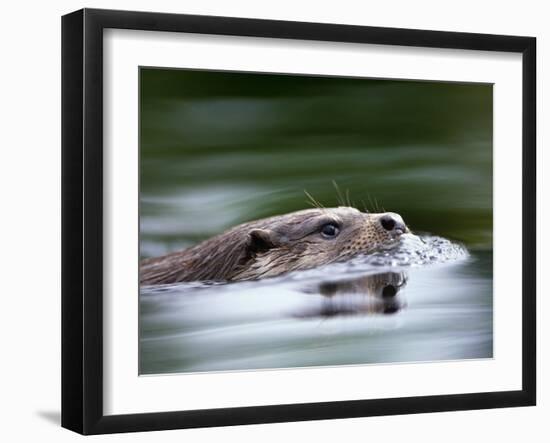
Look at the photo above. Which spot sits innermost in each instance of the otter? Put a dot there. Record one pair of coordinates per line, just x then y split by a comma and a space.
276, 245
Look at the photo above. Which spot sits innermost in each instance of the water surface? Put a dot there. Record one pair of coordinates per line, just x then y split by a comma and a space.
218, 149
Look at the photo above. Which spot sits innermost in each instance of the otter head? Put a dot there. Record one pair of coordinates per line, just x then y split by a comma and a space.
314, 237
276, 245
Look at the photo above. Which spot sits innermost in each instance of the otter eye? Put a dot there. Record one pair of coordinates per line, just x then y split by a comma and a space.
329, 230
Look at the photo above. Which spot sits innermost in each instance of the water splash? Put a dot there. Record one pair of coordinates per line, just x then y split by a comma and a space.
419, 250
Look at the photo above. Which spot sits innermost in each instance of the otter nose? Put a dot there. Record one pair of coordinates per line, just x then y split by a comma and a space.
393, 223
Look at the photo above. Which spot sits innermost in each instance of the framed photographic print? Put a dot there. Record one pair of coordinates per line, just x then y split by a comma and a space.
269, 221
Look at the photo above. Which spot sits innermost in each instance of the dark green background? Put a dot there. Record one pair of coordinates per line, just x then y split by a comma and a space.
220, 148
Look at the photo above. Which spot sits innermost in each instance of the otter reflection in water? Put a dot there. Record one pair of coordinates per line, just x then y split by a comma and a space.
365, 295
277, 245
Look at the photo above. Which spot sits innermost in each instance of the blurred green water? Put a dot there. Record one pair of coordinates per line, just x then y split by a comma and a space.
221, 148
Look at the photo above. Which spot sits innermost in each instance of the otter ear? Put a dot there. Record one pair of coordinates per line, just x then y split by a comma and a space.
263, 239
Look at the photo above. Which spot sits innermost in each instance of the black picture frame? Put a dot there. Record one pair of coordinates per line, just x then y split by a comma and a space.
82, 219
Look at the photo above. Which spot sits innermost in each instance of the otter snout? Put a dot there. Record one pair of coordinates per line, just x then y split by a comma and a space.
393, 223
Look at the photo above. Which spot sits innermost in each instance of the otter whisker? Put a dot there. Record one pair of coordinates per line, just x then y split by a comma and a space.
339, 195
347, 198
371, 203
312, 201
